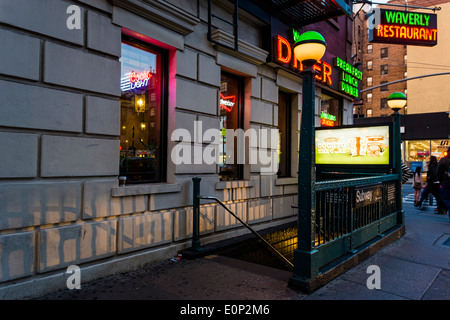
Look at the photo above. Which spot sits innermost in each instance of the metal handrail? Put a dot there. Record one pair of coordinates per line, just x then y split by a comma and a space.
248, 227
340, 183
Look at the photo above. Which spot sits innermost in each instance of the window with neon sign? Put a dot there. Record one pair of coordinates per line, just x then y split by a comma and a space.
330, 110
142, 117
230, 105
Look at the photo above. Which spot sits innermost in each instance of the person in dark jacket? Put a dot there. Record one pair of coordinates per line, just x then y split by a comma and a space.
432, 186
444, 179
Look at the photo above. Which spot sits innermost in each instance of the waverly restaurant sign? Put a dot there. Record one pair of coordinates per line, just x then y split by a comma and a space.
336, 74
403, 27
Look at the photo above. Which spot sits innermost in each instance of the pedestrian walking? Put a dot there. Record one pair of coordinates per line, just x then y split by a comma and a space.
417, 184
432, 186
406, 173
444, 179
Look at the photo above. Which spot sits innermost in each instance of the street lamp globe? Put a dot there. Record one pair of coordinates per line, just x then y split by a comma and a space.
396, 101
310, 46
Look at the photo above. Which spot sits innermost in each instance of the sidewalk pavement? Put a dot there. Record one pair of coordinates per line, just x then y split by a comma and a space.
415, 267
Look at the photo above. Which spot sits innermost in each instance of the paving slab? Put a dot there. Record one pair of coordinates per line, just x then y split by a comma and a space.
440, 288
344, 289
399, 277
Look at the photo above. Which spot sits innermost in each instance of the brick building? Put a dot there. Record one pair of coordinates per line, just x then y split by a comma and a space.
380, 63
426, 124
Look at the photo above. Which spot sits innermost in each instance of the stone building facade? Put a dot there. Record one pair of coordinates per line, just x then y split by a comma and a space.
66, 139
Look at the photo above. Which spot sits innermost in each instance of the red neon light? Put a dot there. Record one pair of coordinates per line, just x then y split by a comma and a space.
144, 75
227, 103
406, 32
318, 68
327, 123
325, 69
282, 42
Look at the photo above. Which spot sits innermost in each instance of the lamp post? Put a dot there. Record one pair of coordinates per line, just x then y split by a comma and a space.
309, 48
397, 101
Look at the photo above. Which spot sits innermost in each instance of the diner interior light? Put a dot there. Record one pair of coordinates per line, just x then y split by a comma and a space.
396, 101
310, 46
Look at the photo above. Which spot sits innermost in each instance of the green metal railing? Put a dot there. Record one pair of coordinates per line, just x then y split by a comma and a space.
337, 216
196, 222
339, 226
348, 214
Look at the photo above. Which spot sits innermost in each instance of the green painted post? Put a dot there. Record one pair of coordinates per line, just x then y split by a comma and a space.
397, 165
305, 266
196, 214
396, 101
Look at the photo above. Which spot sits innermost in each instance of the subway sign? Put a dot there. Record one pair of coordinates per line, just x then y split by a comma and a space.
331, 71
403, 27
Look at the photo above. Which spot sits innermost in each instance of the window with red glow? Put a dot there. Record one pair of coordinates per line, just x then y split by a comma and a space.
231, 106
142, 115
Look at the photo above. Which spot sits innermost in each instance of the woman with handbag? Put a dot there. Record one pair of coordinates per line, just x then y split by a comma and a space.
417, 184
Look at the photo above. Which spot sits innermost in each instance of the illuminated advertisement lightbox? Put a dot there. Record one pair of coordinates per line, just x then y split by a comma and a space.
353, 146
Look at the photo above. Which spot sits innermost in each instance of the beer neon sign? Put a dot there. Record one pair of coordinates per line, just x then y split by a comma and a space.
142, 76
133, 80
227, 102
400, 27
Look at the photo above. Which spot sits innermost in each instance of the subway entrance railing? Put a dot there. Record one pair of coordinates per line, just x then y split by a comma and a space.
349, 213
196, 222
355, 210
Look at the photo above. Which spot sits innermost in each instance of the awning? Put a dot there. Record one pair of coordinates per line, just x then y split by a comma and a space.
298, 13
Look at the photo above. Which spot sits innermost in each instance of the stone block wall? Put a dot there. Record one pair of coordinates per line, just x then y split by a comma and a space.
59, 135
58, 129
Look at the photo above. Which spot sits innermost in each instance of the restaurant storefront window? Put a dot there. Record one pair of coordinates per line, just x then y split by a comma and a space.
231, 107
418, 152
142, 116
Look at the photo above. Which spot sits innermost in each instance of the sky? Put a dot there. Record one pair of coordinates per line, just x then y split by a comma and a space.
367, 7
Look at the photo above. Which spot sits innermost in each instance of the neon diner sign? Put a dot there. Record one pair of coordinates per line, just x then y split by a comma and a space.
331, 71
285, 55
